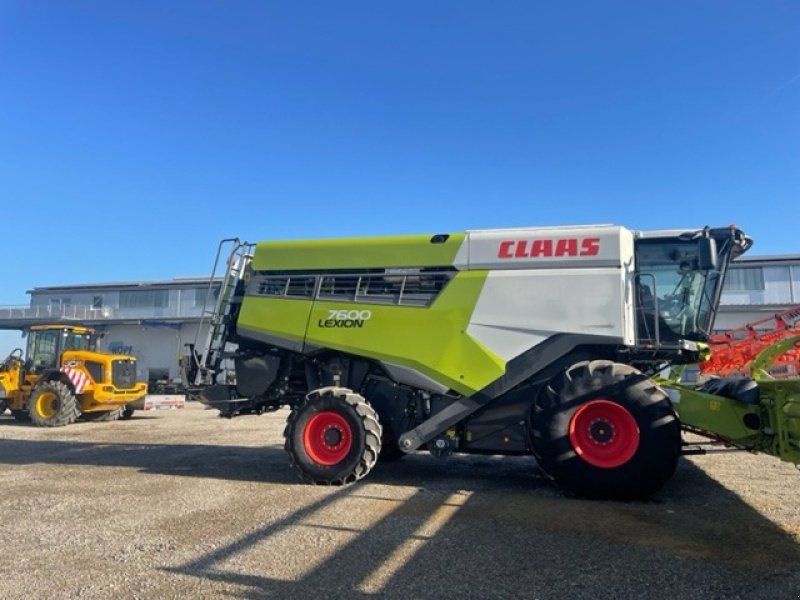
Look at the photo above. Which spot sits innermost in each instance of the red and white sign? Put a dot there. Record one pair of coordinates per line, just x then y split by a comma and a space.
79, 379
548, 248
542, 248
164, 401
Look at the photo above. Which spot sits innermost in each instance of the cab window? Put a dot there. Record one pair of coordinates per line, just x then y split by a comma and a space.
44, 350
76, 341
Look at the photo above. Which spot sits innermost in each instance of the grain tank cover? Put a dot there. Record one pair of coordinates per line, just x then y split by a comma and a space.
523, 248
433, 250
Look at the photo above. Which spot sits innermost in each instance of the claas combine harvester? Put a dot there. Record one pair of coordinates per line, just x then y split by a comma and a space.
61, 378
539, 341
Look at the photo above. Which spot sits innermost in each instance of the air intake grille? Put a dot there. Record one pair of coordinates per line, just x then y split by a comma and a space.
123, 373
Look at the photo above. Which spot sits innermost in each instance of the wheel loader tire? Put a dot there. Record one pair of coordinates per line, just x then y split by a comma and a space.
604, 430
52, 404
106, 415
333, 437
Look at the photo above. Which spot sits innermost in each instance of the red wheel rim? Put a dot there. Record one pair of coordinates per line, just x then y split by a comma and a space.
327, 438
604, 434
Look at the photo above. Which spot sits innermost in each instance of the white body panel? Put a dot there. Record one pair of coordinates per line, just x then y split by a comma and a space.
547, 281
517, 310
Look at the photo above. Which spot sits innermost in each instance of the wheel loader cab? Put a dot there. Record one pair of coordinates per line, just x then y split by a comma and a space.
677, 284
46, 345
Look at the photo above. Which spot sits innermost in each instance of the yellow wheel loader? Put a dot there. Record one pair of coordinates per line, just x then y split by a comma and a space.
61, 378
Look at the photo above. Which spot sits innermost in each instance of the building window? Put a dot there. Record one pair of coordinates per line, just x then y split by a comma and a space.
97, 302
59, 302
144, 299
745, 279
201, 293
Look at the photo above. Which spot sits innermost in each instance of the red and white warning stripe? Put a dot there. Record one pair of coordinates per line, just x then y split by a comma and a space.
78, 378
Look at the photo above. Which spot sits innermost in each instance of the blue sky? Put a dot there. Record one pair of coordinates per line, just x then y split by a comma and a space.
135, 135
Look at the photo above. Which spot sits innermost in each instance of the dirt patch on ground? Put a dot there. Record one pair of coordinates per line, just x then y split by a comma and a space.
185, 504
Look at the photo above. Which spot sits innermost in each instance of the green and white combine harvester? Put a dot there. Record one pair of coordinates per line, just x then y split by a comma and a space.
532, 341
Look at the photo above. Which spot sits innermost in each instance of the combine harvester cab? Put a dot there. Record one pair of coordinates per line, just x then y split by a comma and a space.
542, 341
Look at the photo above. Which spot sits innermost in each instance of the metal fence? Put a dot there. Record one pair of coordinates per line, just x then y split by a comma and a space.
63, 312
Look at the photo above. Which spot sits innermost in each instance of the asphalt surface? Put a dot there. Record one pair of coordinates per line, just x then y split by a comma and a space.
183, 504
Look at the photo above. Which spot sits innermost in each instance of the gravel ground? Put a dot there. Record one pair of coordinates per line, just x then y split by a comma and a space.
185, 504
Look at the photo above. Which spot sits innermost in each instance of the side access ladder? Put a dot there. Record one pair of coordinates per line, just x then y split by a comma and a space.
208, 357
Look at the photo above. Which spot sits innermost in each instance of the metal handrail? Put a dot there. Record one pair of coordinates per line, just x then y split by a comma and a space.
67, 312
235, 267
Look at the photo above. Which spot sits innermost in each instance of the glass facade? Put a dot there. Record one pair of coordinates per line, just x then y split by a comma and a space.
745, 279
771, 282
144, 298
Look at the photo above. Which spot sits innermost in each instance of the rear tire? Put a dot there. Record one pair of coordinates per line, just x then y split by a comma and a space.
127, 413
3, 406
604, 430
52, 404
333, 437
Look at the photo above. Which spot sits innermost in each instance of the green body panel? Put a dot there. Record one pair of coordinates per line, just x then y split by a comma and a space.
431, 340
356, 253
278, 317
716, 414
778, 411
781, 398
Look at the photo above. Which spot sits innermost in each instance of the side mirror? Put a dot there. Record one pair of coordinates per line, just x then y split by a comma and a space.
707, 254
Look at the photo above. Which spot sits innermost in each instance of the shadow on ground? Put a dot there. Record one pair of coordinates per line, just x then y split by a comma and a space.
485, 541
477, 527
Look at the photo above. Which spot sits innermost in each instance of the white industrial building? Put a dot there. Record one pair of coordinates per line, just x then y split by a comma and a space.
151, 320
756, 288
155, 320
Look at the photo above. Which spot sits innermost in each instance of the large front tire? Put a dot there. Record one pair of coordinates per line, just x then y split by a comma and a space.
604, 430
333, 437
52, 404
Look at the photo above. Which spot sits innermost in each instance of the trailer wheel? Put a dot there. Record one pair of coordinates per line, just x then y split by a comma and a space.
333, 437
52, 404
604, 430
104, 415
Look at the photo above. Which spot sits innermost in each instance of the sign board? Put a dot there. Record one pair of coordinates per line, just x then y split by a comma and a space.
164, 401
